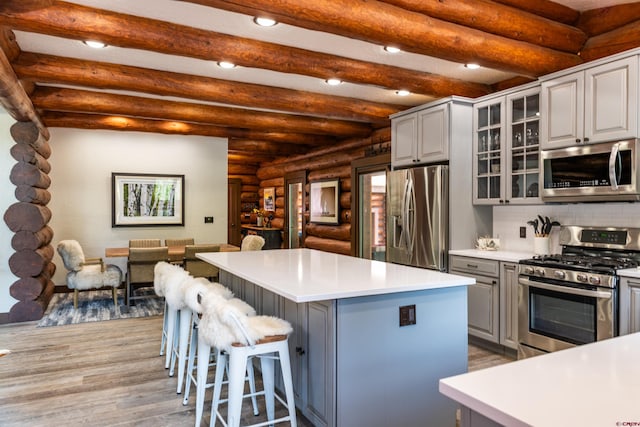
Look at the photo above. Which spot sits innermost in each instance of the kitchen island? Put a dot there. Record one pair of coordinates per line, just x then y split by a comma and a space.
592, 385
352, 362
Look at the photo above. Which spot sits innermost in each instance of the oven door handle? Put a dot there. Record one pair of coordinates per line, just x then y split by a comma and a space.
566, 289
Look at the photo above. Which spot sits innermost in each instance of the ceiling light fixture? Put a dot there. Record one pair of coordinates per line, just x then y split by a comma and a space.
265, 22
402, 92
392, 49
333, 82
472, 66
95, 44
226, 64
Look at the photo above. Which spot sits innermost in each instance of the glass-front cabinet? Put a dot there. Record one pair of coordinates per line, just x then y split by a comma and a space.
488, 185
506, 148
523, 113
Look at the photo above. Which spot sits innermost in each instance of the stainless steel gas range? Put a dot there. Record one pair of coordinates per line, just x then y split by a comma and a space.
571, 298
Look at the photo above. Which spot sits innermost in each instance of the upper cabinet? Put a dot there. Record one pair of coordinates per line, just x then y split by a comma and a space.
421, 135
506, 148
597, 104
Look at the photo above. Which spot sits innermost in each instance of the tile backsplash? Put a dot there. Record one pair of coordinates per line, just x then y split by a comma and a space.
507, 220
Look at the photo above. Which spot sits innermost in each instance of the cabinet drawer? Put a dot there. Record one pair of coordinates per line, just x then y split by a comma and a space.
475, 265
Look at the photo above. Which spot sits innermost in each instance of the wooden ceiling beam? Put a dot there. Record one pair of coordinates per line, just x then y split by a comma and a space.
57, 119
81, 23
502, 20
13, 96
47, 69
382, 23
266, 147
598, 21
616, 41
82, 101
546, 8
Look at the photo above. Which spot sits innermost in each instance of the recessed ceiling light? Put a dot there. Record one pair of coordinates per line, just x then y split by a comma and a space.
392, 49
265, 22
226, 64
95, 44
402, 92
472, 66
333, 82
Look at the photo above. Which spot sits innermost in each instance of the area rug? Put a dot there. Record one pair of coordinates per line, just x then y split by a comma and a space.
96, 306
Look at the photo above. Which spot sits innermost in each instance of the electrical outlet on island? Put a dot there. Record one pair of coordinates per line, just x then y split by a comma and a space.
523, 232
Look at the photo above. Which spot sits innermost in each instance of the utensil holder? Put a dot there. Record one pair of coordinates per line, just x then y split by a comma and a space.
541, 246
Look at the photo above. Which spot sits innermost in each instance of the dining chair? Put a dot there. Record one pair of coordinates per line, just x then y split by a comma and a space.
177, 258
144, 243
252, 242
140, 270
197, 267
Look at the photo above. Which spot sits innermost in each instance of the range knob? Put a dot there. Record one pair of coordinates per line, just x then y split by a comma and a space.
581, 277
540, 272
528, 270
559, 274
594, 280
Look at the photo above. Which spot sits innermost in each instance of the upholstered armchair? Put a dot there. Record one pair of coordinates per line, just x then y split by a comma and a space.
252, 242
86, 274
140, 269
195, 266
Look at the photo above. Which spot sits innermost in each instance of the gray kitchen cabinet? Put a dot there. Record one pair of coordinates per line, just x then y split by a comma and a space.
629, 305
423, 134
483, 298
493, 300
509, 305
591, 105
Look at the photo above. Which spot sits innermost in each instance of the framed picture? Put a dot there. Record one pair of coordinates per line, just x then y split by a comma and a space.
269, 199
324, 202
142, 200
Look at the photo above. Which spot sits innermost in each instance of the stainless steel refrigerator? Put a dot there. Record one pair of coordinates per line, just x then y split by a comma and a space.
418, 217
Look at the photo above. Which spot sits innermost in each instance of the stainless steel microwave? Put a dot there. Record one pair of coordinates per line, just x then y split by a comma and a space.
592, 173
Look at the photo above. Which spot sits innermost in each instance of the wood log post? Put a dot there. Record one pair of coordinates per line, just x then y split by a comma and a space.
26, 216
26, 153
29, 263
27, 174
29, 288
32, 240
28, 310
29, 194
28, 133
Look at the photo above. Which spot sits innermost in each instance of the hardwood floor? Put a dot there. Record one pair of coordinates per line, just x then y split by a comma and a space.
103, 374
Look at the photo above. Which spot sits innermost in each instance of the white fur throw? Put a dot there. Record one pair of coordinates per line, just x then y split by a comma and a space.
91, 277
252, 242
175, 280
159, 272
71, 253
218, 327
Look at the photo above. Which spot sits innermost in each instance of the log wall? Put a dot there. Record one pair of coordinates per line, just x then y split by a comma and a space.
28, 218
328, 162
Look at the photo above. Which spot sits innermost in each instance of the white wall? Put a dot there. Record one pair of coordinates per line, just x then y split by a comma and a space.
81, 165
507, 220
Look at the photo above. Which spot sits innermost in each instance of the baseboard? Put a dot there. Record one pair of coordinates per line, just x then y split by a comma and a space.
4, 318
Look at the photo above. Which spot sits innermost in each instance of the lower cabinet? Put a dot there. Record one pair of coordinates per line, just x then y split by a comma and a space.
629, 305
493, 300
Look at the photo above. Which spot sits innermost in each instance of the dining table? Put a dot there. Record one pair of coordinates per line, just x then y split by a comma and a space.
174, 251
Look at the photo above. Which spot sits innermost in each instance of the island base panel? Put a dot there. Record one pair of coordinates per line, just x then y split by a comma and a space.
388, 375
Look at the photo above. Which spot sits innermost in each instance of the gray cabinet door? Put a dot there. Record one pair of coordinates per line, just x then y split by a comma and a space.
629, 306
296, 315
321, 372
483, 306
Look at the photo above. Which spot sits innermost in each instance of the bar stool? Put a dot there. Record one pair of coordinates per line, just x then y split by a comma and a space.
175, 279
199, 354
238, 338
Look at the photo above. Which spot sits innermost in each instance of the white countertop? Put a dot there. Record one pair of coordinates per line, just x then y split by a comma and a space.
304, 275
630, 272
499, 255
593, 385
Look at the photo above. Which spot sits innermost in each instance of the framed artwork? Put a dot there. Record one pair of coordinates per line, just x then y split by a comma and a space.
324, 202
142, 200
269, 199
